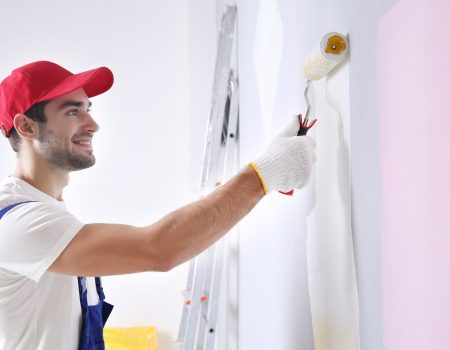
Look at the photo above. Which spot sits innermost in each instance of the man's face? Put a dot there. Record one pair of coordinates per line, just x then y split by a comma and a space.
65, 140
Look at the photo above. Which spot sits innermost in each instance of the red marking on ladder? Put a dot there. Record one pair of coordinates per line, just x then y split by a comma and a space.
203, 298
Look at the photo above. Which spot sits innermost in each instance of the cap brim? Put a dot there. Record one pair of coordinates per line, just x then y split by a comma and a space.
94, 82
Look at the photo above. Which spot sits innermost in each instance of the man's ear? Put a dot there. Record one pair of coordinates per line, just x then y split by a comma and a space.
25, 127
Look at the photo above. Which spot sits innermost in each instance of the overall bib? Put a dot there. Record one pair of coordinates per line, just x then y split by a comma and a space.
93, 316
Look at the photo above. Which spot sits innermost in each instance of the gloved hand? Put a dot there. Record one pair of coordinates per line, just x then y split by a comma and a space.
287, 162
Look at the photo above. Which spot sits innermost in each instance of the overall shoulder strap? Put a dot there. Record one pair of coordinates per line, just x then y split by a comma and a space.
81, 284
82, 287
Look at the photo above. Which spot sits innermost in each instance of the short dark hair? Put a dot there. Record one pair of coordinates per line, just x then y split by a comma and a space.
36, 113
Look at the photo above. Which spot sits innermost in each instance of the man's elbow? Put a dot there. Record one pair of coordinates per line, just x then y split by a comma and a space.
165, 268
161, 265
157, 260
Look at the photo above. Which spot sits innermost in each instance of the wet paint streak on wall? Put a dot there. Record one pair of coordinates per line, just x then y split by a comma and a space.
331, 263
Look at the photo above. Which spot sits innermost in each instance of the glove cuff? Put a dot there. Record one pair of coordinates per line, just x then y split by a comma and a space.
253, 165
270, 174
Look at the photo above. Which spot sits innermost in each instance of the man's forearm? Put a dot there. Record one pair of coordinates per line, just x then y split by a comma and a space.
188, 231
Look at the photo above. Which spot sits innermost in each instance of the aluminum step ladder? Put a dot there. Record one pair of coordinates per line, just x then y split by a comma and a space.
198, 327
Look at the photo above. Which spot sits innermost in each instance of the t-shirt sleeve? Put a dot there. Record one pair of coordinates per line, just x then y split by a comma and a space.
33, 235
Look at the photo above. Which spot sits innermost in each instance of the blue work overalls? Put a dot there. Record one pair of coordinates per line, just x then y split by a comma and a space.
93, 316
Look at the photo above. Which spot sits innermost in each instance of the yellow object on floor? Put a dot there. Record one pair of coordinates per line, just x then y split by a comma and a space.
130, 338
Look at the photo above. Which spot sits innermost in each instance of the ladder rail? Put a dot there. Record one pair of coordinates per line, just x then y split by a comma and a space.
220, 91
209, 331
202, 269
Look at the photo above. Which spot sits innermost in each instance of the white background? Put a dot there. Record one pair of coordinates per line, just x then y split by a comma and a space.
143, 148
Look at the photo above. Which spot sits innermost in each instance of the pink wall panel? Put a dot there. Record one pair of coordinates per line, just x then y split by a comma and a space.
414, 115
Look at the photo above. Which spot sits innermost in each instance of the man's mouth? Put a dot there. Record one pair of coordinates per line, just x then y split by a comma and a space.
86, 144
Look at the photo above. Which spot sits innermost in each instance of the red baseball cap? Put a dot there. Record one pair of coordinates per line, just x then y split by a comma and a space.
42, 81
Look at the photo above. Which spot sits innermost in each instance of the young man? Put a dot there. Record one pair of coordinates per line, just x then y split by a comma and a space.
44, 111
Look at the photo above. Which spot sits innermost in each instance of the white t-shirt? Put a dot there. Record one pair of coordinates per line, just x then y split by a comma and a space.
38, 309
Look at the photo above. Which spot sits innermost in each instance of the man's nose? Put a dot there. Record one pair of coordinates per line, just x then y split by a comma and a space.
91, 124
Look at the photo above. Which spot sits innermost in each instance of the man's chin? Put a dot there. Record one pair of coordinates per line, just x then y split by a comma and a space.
82, 163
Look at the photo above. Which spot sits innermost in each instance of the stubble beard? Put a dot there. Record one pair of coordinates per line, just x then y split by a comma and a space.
57, 152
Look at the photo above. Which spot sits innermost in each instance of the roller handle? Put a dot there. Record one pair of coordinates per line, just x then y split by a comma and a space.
304, 127
302, 131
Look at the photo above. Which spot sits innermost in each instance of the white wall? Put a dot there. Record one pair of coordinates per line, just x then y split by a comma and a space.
274, 304
292, 239
143, 148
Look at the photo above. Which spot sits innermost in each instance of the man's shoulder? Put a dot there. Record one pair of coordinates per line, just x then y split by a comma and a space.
9, 194
19, 201
14, 190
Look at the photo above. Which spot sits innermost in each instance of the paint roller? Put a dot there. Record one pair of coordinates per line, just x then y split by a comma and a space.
322, 59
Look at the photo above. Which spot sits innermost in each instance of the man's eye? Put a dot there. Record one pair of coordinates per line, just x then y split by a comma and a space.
73, 112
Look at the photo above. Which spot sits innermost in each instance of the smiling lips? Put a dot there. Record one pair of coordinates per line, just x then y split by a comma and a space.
84, 143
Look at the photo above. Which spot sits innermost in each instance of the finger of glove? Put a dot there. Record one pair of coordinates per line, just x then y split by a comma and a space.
304, 182
308, 159
311, 145
309, 142
292, 128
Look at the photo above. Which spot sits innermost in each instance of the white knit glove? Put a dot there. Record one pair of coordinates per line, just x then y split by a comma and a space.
287, 162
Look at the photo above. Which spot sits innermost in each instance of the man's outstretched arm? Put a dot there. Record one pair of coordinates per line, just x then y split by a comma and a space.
108, 249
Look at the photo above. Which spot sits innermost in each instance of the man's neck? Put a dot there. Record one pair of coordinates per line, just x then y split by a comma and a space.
43, 176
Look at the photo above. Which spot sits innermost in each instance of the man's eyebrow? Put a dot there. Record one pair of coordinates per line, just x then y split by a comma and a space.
73, 104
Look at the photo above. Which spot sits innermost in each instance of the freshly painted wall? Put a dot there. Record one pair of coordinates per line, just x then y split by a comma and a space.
413, 55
